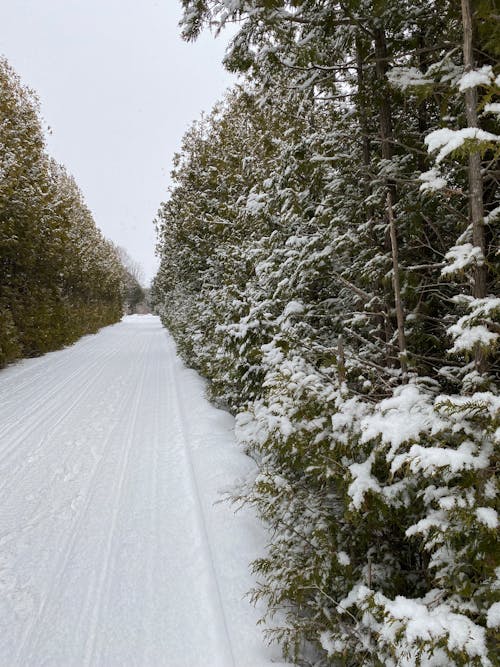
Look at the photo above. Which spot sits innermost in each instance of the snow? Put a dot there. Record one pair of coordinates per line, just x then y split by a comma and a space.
429, 459
462, 256
293, 308
488, 516
410, 621
465, 407
466, 333
329, 644
490, 489
255, 203
356, 595
492, 107
495, 213
424, 624
446, 141
467, 339
432, 181
343, 558
493, 617
407, 77
362, 482
401, 418
476, 77
112, 551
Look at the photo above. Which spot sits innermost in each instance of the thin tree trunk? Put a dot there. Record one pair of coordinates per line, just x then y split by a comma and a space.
386, 135
400, 316
341, 360
475, 176
476, 209
423, 120
363, 124
385, 115
383, 318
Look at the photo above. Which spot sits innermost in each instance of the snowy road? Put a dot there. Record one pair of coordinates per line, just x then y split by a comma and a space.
111, 550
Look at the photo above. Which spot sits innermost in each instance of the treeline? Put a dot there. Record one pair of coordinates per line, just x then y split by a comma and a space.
136, 297
59, 277
328, 262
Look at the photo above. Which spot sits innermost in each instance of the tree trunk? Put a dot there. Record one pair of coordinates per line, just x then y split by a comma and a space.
397, 289
423, 120
386, 136
475, 176
363, 124
385, 116
476, 210
341, 360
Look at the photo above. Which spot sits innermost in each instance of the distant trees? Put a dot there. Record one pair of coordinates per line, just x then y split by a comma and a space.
59, 277
328, 261
134, 293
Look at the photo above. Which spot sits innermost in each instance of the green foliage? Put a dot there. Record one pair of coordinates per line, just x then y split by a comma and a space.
59, 278
276, 280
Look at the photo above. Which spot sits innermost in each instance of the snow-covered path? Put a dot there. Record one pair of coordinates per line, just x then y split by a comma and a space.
111, 550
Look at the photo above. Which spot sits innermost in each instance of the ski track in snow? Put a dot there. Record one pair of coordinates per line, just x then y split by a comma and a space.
112, 551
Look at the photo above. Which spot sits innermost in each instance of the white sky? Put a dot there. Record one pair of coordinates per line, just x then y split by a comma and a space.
118, 88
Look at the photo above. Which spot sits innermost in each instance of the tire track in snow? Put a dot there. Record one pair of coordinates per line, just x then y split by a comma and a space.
54, 389
12, 478
51, 361
35, 423
11, 387
25, 367
201, 524
18, 453
33, 634
122, 560
94, 639
154, 526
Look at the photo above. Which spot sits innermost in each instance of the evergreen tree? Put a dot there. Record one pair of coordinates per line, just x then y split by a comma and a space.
327, 262
59, 277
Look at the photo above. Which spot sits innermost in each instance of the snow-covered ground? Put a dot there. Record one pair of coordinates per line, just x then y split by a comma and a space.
112, 551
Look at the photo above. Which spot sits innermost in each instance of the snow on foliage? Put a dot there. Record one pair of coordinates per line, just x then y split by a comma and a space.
478, 77
432, 180
417, 623
471, 330
492, 107
59, 277
494, 615
407, 77
363, 481
293, 210
468, 338
461, 257
446, 141
488, 516
401, 418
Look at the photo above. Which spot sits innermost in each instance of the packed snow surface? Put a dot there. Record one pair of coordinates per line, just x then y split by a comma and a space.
112, 551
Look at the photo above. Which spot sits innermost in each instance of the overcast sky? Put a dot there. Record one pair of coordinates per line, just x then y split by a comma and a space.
118, 88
